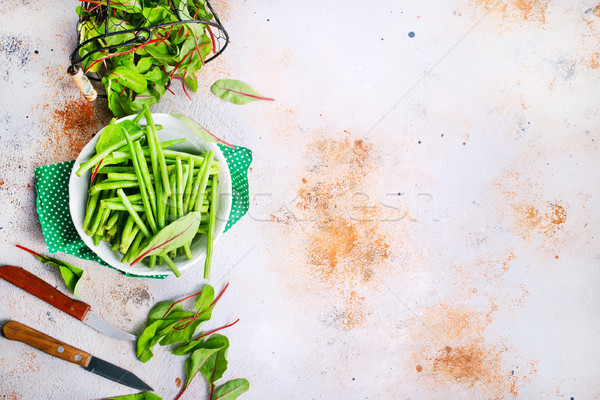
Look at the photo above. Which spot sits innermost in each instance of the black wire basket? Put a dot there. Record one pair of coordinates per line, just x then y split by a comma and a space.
120, 33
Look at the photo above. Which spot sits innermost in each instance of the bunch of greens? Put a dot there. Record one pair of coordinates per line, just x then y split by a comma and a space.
71, 275
148, 200
168, 323
138, 72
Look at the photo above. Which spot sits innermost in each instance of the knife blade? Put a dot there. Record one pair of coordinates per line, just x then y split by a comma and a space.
46, 292
14, 330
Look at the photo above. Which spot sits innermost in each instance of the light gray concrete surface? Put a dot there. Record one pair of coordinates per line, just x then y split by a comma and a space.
423, 219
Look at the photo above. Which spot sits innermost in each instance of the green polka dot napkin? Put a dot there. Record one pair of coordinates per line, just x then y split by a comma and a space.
52, 185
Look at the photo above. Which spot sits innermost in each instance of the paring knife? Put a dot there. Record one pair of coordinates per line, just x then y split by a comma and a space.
14, 330
75, 308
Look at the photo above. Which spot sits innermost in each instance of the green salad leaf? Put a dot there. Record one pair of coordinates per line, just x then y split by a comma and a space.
71, 275
236, 92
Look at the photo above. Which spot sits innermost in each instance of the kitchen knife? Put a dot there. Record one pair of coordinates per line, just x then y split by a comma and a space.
75, 308
14, 330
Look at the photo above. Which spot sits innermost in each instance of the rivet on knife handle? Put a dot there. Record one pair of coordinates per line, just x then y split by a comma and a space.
14, 330
36, 286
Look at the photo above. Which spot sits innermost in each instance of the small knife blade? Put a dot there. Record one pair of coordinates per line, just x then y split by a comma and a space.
46, 292
14, 330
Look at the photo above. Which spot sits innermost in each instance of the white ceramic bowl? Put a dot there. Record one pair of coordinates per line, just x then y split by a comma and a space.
173, 128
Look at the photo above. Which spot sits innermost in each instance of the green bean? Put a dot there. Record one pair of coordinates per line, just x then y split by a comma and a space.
133, 198
121, 176
99, 156
180, 188
173, 154
159, 152
111, 185
112, 221
133, 249
115, 168
141, 183
156, 175
212, 219
171, 265
133, 213
201, 181
124, 153
113, 205
127, 227
188, 186
89, 211
147, 178
172, 201
126, 242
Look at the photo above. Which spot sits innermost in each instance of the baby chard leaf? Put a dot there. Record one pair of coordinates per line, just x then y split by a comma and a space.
71, 275
200, 130
231, 390
196, 360
129, 78
148, 340
172, 236
110, 135
236, 92
214, 368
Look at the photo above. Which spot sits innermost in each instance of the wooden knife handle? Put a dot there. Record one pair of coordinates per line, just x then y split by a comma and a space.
37, 287
14, 330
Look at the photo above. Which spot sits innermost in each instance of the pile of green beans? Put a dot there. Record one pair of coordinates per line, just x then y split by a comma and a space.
139, 186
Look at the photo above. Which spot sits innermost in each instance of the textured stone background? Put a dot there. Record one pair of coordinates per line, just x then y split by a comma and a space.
424, 218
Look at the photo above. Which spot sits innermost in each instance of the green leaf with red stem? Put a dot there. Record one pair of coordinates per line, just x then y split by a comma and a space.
236, 92
231, 390
172, 236
71, 275
200, 130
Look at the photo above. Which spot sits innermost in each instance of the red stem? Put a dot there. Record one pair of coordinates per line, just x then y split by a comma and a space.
212, 39
30, 251
216, 330
218, 139
98, 166
179, 301
159, 245
172, 92
212, 377
250, 95
183, 84
181, 393
197, 47
219, 296
198, 313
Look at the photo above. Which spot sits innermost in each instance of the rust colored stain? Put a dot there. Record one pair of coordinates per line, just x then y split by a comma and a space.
453, 353
590, 47
594, 62
463, 364
344, 241
68, 120
1, 181
419, 368
529, 215
519, 11
178, 382
546, 220
72, 125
